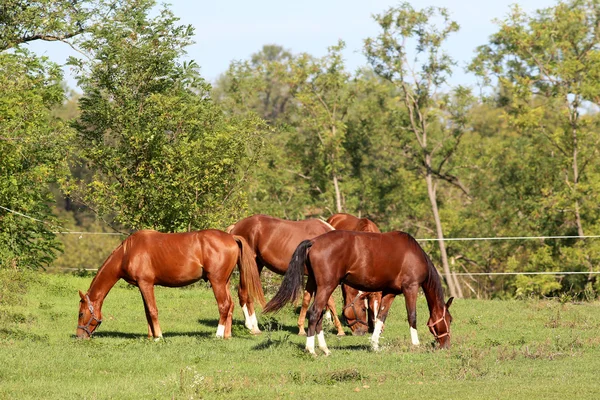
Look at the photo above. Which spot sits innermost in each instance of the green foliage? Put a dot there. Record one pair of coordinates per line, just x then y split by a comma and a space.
34, 147
163, 154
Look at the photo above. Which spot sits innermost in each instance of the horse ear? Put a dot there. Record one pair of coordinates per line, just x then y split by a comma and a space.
449, 302
81, 295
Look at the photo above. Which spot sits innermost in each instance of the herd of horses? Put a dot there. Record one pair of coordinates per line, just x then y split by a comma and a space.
371, 267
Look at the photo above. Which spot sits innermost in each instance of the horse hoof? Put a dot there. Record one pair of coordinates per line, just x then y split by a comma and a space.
256, 332
301, 333
341, 334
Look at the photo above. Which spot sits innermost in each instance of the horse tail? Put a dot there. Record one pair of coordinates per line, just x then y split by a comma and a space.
249, 277
293, 279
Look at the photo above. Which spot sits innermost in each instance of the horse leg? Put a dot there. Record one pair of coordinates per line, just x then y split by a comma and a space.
148, 318
308, 293
248, 308
410, 297
386, 303
336, 321
147, 290
229, 321
315, 321
224, 303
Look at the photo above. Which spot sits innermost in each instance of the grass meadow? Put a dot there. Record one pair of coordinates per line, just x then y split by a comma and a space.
500, 349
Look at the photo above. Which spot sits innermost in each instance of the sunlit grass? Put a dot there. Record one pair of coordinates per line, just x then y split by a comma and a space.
501, 349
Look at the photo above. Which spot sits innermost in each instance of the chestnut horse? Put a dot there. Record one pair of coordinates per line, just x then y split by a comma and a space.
148, 258
360, 308
392, 262
274, 241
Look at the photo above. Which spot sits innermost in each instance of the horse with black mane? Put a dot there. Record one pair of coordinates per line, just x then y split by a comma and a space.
392, 263
148, 258
274, 240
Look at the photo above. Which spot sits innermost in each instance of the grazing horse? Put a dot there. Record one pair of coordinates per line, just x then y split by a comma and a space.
149, 258
360, 308
274, 241
392, 262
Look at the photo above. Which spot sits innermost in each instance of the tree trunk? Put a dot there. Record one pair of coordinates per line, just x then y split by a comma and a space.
440, 234
338, 195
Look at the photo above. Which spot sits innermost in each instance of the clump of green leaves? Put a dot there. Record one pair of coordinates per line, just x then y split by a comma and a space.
162, 153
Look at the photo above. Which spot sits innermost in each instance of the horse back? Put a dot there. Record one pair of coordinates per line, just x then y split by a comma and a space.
177, 259
274, 240
369, 261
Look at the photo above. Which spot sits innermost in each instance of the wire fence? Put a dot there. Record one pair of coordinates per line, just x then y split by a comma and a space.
469, 274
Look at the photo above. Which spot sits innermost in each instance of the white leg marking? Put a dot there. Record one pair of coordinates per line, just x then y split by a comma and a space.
328, 316
322, 344
220, 331
254, 323
366, 303
414, 336
247, 317
376, 310
310, 344
376, 333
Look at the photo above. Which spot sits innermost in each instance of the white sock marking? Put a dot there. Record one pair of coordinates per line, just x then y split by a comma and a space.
414, 336
220, 331
247, 317
376, 334
310, 344
328, 315
254, 322
376, 310
322, 344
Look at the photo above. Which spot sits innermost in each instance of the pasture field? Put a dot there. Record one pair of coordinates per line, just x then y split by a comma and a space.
500, 349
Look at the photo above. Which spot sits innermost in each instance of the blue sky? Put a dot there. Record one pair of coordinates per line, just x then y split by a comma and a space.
234, 29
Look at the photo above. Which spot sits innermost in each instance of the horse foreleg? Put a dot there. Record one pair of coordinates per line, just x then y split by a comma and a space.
336, 321
410, 297
386, 303
147, 290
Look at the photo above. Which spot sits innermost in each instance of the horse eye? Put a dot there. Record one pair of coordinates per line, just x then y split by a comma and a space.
80, 314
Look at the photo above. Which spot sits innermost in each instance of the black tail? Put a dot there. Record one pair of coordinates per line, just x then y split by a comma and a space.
292, 281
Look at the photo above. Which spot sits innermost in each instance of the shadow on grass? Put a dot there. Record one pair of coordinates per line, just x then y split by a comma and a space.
166, 335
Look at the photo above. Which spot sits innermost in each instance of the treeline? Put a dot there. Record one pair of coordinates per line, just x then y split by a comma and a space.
153, 145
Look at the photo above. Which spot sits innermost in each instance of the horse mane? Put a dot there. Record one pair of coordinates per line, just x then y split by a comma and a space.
433, 282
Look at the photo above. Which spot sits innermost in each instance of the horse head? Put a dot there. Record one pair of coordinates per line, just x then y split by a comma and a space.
440, 327
355, 310
89, 317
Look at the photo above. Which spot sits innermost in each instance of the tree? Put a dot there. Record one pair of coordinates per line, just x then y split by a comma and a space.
435, 122
548, 70
322, 89
163, 154
34, 147
23, 21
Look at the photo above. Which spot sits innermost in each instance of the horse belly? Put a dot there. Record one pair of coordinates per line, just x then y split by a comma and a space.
181, 275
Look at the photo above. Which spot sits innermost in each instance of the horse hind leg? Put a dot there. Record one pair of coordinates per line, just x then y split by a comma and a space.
147, 291
247, 306
315, 321
224, 303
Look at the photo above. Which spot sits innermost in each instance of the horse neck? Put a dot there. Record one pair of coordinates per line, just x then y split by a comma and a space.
105, 279
434, 293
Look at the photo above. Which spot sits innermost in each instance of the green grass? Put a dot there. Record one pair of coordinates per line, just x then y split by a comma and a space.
501, 349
